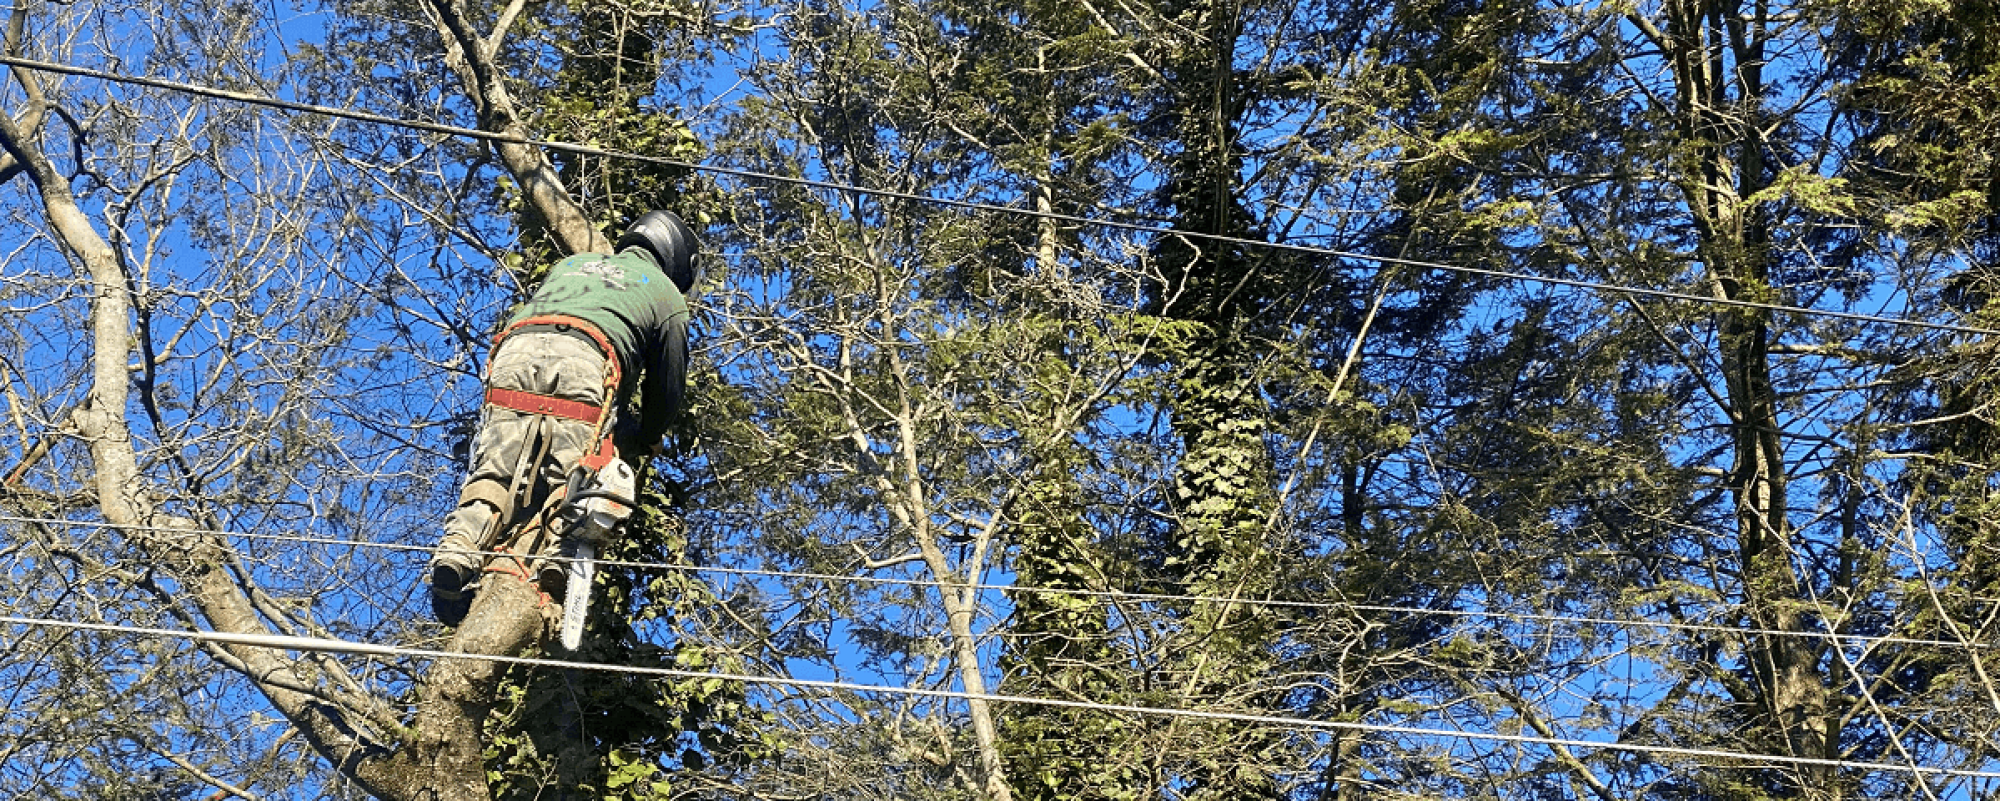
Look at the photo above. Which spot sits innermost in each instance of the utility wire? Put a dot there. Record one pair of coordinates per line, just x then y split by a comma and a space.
1115, 595
326, 645
587, 150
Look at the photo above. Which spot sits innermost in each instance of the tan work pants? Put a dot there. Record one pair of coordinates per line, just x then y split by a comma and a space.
519, 458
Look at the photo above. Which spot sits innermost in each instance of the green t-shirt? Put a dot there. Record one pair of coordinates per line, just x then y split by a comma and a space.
639, 310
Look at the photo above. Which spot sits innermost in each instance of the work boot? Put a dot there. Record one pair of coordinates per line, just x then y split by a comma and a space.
553, 579
450, 611
454, 578
552, 576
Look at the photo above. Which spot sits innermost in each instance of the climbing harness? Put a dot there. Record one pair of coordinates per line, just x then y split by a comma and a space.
585, 512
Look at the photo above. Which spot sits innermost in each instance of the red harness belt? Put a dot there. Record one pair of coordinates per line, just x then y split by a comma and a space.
533, 403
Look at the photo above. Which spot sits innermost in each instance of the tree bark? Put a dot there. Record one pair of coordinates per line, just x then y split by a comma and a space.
908, 503
458, 693
1713, 48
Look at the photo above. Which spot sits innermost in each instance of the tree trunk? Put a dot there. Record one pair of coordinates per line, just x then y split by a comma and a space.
458, 693
196, 560
1716, 53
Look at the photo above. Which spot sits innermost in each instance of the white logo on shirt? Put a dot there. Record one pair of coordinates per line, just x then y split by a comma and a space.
610, 274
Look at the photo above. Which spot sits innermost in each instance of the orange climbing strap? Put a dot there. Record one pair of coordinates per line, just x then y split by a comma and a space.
603, 451
509, 563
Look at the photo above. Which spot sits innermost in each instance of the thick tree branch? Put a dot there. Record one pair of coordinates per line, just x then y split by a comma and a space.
38, 106
472, 57
505, 620
103, 424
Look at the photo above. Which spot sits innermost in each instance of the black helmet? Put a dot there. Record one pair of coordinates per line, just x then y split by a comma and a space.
671, 243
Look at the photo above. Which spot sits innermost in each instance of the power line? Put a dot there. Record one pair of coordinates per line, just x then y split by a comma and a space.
587, 150
327, 645
1114, 595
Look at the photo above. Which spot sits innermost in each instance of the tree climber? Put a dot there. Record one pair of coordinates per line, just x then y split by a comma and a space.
584, 340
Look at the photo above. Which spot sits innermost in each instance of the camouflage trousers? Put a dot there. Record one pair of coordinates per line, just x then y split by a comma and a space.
518, 459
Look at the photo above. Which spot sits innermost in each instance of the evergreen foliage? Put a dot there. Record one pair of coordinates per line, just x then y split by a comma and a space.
1295, 440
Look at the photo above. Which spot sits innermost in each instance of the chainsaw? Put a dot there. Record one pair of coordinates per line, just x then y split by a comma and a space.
596, 505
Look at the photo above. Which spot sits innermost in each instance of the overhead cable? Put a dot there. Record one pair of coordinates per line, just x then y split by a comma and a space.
327, 645
588, 150
1112, 595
